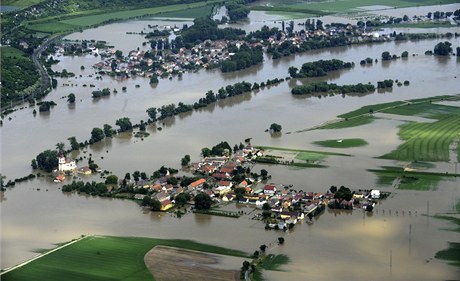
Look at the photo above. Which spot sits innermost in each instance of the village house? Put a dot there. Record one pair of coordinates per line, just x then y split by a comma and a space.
84, 170
223, 187
166, 205
196, 184
269, 190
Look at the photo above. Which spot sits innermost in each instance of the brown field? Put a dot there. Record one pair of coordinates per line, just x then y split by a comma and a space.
168, 263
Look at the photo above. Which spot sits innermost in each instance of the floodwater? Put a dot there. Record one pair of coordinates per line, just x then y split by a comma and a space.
338, 245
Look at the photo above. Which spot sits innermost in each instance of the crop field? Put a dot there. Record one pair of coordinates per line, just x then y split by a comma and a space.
90, 259
427, 141
86, 20
342, 143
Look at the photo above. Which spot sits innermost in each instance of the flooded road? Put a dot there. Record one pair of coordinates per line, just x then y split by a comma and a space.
336, 242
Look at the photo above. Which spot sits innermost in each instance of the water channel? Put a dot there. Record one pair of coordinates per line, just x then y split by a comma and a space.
344, 245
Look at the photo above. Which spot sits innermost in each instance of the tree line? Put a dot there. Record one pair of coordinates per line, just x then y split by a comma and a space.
318, 68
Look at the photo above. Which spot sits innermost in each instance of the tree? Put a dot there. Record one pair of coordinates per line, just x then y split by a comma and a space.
108, 131
74, 145
293, 71
118, 54
112, 179
266, 207
275, 127
182, 198
97, 134
404, 54
205, 152
152, 112
185, 160
203, 201
263, 248
264, 174
154, 79
34, 164
443, 48
71, 98
281, 240
60, 146
386, 56
47, 160
124, 124
154, 204
343, 193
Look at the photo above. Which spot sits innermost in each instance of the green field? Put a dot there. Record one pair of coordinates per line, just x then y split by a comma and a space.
90, 18
11, 52
427, 141
371, 108
21, 3
348, 123
342, 143
103, 258
202, 11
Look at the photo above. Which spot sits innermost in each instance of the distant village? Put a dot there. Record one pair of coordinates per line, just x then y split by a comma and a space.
282, 205
207, 54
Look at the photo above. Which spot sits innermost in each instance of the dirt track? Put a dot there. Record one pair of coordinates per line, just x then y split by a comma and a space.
170, 264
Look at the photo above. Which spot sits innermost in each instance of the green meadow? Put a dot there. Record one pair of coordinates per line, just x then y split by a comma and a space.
104, 258
11, 52
94, 18
342, 143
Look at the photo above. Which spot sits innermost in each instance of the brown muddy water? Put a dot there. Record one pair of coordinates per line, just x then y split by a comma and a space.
343, 246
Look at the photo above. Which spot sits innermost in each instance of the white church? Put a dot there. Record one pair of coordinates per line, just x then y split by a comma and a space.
66, 164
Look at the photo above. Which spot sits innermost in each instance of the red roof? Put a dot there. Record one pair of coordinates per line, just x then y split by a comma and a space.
269, 187
197, 182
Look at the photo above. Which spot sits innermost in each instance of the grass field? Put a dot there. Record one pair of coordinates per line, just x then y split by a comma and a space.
342, 143
84, 20
11, 52
104, 258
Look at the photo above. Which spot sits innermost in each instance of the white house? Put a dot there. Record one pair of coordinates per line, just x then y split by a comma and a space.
375, 194
66, 164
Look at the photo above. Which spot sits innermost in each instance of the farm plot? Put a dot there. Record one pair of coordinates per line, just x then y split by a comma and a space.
427, 141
